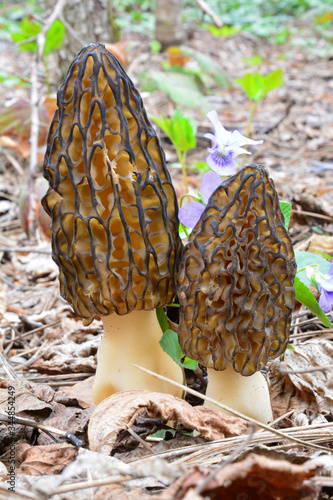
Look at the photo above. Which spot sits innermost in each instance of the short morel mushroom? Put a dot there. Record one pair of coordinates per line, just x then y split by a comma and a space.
236, 290
114, 219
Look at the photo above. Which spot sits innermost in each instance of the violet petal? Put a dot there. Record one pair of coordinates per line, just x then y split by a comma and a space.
326, 300
190, 213
210, 182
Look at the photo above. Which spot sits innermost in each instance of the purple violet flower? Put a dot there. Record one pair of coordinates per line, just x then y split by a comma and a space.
325, 284
190, 213
225, 147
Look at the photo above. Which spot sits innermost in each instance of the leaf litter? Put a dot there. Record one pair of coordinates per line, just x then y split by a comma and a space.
49, 357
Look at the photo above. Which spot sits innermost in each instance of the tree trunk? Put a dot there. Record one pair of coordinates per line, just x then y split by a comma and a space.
90, 21
169, 25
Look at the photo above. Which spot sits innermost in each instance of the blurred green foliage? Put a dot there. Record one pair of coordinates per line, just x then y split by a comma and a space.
257, 85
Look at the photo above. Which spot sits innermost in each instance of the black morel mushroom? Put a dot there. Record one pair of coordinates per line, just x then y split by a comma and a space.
114, 219
236, 290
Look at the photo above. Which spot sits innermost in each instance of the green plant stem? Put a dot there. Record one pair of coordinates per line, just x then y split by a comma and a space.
304, 268
188, 196
185, 230
182, 160
252, 113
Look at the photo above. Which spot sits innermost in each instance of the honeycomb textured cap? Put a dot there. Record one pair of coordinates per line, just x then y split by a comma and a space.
236, 278
111, 200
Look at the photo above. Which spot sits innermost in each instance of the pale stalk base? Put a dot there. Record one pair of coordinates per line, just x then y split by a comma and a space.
133, 338
248, 395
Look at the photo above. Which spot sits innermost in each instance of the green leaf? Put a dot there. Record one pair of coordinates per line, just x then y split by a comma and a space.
273, 80
183, 89
304, 259
224, 31
200, 166
163, 123
155, 46
54, 37
162, 319
27, 29
210, 66
306, 297
252, 61
170, 345
286, 210
183, 129
148, 84
325, 255
254, 85
257, 86
180, 128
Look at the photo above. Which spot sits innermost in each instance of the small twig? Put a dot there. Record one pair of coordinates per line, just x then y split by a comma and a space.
83, 485
208, 10
140, 440
312, 214
18, 494
37, 355
13, 161
285, 114
25, 250
286, 415
232, 411
295, 332
41, 37
67, 376
202, 486
7, 367
45, 428
285, 371
71, 31
40, 328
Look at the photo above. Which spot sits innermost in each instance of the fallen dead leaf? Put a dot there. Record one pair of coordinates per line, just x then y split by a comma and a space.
69, 357
82, 391
67, 419
119, 412
303, 391
320, 242
3, 300
3, 472
120, 50
255, 478
49, 459
24, 399
121, 492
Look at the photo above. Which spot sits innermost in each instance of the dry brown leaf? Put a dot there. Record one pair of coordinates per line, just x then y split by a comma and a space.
67, 419
3, 301
120, 50
119, 411
320, 242
3, 472
49, 459
25, 400
303, 391
69, 358
255, 478
121, 492
82, 391
36, 265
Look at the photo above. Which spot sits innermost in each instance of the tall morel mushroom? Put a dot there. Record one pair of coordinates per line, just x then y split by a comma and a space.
114, 219
236, 290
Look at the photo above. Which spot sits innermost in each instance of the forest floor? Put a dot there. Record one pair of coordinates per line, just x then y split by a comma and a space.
49, 358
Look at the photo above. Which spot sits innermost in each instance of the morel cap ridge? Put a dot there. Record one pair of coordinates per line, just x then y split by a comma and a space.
111, 200
236, 278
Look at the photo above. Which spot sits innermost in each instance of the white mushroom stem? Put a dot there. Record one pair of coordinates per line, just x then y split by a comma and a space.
133, 338
249, 395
